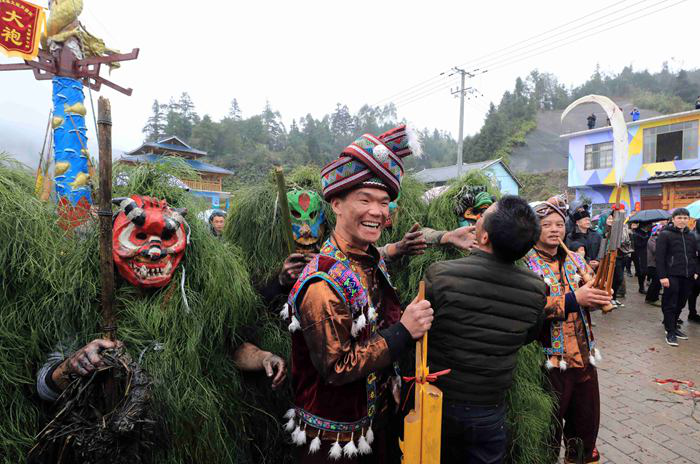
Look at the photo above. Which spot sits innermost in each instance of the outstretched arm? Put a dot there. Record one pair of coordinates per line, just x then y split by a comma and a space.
249, 357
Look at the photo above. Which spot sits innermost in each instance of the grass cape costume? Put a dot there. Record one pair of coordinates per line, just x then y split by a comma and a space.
570, 347
49, 294
342, 365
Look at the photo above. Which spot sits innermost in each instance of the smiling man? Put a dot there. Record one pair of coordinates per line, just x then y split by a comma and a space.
567, 336
346, 322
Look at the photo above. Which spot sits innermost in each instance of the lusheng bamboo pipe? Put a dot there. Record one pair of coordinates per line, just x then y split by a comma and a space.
585, 274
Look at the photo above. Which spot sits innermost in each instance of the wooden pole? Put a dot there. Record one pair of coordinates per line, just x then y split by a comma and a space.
284, 209
104, 128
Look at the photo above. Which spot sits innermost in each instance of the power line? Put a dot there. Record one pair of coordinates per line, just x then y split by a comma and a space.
420, 89
417, 87
529, 54
499, 65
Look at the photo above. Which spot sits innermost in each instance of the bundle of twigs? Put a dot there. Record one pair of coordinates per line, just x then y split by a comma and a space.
97, 424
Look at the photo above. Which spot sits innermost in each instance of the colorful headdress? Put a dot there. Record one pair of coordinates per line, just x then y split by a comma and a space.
557, 204
371, 162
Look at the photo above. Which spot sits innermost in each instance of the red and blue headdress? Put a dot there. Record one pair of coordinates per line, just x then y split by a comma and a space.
371, 162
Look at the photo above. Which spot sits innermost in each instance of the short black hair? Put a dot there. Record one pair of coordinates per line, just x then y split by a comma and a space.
680, 212
513, 228
575, 245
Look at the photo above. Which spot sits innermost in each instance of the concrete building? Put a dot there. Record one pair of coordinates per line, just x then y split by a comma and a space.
658, 146
209, 181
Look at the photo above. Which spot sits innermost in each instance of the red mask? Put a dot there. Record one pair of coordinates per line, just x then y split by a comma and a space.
148, 240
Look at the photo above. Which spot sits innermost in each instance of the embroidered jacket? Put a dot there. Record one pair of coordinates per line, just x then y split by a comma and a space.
348, 335
567, 338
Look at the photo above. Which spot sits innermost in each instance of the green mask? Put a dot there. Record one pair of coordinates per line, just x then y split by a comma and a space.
308, 220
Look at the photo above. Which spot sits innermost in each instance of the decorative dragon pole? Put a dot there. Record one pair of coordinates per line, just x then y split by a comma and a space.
71, 57
71, 174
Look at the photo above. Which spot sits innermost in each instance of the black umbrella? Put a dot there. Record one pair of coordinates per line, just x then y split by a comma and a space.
650, 215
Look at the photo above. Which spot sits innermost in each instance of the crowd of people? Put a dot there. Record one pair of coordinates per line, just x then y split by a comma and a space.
350, 334
665, 259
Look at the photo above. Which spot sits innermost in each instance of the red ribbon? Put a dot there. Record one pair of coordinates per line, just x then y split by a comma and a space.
432, 377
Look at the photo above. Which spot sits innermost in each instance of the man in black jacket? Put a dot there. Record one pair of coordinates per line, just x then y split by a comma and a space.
486, 308
583, 233
676, 260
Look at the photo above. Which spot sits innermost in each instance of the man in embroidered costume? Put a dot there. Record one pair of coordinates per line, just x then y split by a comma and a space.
566, 336
346, 322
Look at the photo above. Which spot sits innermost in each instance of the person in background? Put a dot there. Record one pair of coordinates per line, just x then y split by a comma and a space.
635, 114
580, 248
676, 261
695, 290
652, 297
640, 237
217, 222
591, 121
584, 234
697, 103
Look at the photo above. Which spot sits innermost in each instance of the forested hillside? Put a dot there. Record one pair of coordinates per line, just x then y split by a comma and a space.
251, 143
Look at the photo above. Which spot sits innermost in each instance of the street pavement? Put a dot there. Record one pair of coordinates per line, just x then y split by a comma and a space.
642, 421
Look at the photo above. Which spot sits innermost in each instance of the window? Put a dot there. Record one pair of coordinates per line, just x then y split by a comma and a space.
671, 142
599, 156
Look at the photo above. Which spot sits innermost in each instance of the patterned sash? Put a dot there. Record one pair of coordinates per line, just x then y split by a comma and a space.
556, 288
349, 287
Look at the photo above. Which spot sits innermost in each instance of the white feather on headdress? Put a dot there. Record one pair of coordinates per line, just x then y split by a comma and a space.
414, 141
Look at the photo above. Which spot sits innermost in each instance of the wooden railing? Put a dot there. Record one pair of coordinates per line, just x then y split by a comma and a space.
214, 186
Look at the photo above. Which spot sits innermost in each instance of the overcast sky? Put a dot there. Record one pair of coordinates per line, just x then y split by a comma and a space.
306, 56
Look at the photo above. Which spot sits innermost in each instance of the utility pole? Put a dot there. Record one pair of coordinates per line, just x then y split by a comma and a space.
460, 141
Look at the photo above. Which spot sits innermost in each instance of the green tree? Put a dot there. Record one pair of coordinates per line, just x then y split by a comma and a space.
154, 129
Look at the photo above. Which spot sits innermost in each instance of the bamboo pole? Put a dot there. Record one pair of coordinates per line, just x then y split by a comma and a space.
104, 128
284, 209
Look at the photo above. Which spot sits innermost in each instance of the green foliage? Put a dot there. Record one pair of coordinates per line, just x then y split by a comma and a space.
49, 294
660, 102
531, 409
440, 216
255, 225
542, 185
411, 210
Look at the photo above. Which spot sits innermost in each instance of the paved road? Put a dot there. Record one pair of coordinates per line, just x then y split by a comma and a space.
641, 421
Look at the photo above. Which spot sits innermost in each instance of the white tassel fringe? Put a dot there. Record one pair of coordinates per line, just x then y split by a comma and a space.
290, 413
372, 314
284, 312
299, 436
289, 426
597, 354
357, 325
370, 435
563, 365
362, 446
336, 451
294, 325
350, 450
315, 444
549, 365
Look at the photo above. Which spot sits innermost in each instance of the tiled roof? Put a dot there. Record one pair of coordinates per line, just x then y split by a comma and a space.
194, 164
670, 175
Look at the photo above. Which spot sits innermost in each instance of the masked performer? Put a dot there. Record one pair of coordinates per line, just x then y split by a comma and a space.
346, 322
185, 305
567, 335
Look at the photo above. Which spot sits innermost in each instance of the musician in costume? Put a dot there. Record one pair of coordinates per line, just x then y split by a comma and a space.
567, 335
346, 322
